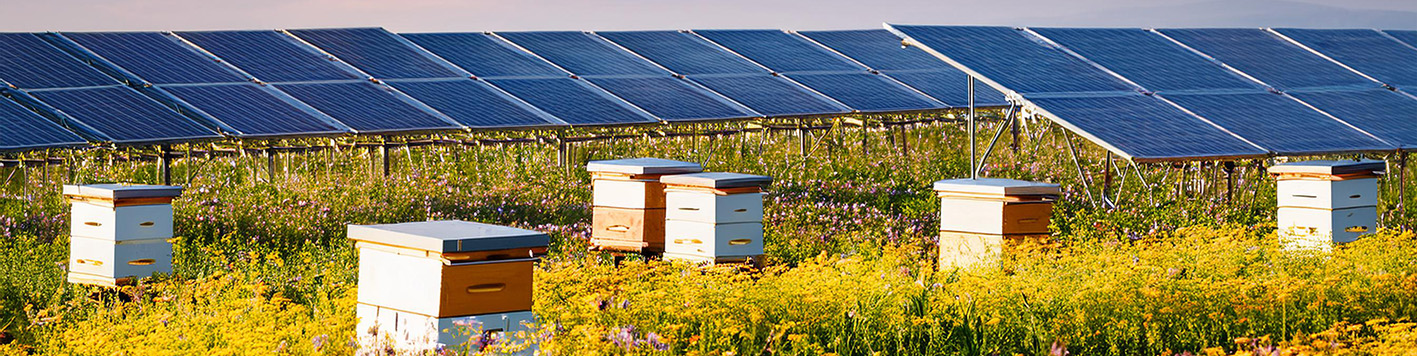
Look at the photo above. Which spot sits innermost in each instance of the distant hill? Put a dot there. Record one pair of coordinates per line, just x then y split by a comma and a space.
1245, 13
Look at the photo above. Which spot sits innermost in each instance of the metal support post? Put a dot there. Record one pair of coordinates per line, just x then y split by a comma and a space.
1008, 119
1107, 180
384, 156
973, 166
1402, 187
164, 164
1229, 181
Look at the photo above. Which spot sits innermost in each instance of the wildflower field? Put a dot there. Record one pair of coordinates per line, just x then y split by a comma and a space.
262, 264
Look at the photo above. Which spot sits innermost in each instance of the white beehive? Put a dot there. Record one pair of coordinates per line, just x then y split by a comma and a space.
119, 232
1326, 202
714, 216
627, 199
440, 272
982, 219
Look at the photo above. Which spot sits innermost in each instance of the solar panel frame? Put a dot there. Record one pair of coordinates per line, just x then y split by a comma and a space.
106, 112
377, 52
370, 108
485, 55
1279, 123
1011, 60
672, 99
1389, 115
1268, 58
252, 111
1408, 37
878, 49
25, 130
151, 57
581, 53
771, 96
780, 51
866, 92
271, 56
1144, 129
683, 52
27, 61
1368, 51
476, 104
1147, 59
574, 101
933, 84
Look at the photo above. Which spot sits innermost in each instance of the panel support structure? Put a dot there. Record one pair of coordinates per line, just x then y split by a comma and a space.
973, 167
1008, 120
164, 164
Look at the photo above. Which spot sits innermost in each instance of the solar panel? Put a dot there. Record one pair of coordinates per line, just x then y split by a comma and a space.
671, 99
253, 111
1012, 59
682, 52
582, 53
26, 130
1406, 36
270, 56
572, 101
1144, 128
1386, 114
1266, 57
367, 107
771, 96
1147, 59
484, 56
1278, 123
26, 61
473, 103
123, 115
155, 57
377, 52
950, 87
878, 49
1367, 51
780, 51
866, 92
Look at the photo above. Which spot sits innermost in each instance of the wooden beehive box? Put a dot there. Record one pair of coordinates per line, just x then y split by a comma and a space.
714, 216
119, 232
995, 206
1326, 202
628, 202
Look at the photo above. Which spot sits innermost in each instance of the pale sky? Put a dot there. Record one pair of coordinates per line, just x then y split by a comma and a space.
513, 15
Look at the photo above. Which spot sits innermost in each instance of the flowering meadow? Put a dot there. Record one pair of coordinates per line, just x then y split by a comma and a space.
1184, 264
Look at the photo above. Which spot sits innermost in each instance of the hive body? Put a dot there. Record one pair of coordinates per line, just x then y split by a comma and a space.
628, 202
714, 217
119, 233
1326, 202
982, 220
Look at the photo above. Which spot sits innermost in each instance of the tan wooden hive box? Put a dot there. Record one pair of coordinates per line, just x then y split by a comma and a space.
119, 232
713, 217
633, 183
1325, 202
995, 206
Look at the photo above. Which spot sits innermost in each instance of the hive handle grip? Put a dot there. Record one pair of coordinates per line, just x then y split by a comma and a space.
689, 209
93, 223
1355, 196
737, 242
740, 210
687, 241
89, 262
619, 228
1028, 220
1356, 229
147, 224
1306, 196
486, 288
142, 262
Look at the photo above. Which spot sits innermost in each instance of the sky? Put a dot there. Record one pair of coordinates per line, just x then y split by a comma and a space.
516, 15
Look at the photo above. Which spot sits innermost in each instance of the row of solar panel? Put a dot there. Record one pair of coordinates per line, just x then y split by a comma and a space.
1201, 93
263, 84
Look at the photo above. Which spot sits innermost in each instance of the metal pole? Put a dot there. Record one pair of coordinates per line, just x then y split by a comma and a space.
164, 165
1229, 181
973, 166
384, 155
1402, 187
270, 164
1008, 118
1013, 128
1107, 179
1082, 176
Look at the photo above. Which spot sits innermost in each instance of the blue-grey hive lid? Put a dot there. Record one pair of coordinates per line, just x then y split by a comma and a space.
449, 236
717, 180
1329, 167
643, 166
122, 191
997, 186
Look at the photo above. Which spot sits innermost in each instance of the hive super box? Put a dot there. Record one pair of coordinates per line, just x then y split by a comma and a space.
441, 283
1326, 202
628, 202
982, 219
119, 233
714, 217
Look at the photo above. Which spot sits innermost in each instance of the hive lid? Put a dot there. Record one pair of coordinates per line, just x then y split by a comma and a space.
1329, 167
718, 180
997, 186
644, 166
122, 191
449, 236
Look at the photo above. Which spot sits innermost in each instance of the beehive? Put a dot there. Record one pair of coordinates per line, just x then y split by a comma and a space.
119, 232
416, 279
628, 202
1326, 202
983, 219
714, 217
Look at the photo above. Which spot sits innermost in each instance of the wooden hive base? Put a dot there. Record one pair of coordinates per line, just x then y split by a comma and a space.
958, 249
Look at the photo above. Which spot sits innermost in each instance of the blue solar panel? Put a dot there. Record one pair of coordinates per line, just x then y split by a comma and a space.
582, 53
1408, 36
484, 56
1145, 128
254, 111
270, 56
878, 49
682, 52
1386, 114
780, 51
366, 107
377, 52
1367, 51
1266, 57
26, 130
1012, 59
123, 115
572, 101
473, 103
155, 57
26, 61
1278, 123
1150, 60
950, 87
866, 92
771, 96
670, 99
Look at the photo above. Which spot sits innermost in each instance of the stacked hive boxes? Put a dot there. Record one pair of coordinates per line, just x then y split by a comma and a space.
119, 233
714, 217
628, 202
1326, 202
982, 219
444, 284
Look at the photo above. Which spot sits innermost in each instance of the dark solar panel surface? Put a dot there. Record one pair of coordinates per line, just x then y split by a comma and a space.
572, 101
1148, 59
866, 92
950, 87
23, 129
472, 103
1267, 57
252, 110
377, 52
771, 96
29, 62
670, 99
878, 49
123, 114
1388, 115
683, 53
780, 51
1406, 36
155, 57
1146, 128
582, 53
269, 55
1277, 123
483, 55
1367, 51
1016, 62
366, 107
